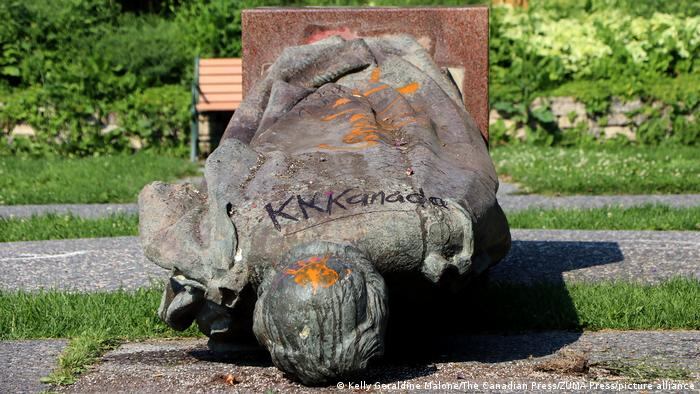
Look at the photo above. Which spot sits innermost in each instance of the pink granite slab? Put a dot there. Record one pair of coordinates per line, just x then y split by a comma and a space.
456, 37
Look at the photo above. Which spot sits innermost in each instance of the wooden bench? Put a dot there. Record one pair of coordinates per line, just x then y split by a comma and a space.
217, 91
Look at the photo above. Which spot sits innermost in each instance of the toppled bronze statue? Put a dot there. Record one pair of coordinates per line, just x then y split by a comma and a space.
350, 162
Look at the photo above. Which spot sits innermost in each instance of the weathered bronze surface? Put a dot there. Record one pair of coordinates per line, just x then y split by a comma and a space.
350, 162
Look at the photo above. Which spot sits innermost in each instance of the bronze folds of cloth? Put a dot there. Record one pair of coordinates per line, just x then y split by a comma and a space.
350, 162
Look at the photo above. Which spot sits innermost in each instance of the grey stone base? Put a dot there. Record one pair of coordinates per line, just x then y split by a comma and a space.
184, 366
24, 363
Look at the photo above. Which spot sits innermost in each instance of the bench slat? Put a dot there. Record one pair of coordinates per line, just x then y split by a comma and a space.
220, 97
221, 88
220, 62
220, 84
226, 106
220, 79
225, 70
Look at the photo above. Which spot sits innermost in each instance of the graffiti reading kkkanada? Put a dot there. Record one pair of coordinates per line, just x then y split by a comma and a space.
342, 201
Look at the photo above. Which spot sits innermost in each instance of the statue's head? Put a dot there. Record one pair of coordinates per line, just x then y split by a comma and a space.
322, 314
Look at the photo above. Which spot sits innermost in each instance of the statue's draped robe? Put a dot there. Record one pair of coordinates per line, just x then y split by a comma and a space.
373, 115
363, 142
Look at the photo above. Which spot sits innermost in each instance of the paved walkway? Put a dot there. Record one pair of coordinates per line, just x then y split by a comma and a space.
508, 197
512, 201
106, 264
184, 366
95, 264
82, 210
594, 255
103, 264
24, 363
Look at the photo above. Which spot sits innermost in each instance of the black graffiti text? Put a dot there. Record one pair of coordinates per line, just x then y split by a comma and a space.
297, 207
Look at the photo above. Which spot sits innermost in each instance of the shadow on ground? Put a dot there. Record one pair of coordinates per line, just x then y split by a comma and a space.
522, 297
532, 262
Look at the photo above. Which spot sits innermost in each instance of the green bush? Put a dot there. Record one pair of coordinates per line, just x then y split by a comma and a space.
65, 65
680, 95
538, 49
75, 125
148, 48
159, 117
212, 28
64, 124
596, 51
633, 7
40, 39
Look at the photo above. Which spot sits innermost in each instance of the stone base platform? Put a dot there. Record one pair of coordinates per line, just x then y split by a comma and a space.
668, 360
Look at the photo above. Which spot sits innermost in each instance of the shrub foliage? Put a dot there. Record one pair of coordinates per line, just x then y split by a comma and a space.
69, 66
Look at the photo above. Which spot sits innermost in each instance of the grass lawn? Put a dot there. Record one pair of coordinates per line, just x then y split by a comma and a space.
54, 226
601, 170
60, 314
649, 217
103, 179
674, 304
96, 322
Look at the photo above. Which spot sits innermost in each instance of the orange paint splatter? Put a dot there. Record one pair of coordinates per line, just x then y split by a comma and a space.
374, 90
362, 130
341, 101
348, 148
364, 133
408, 89
357, 117
315, 273
333, 116
360, 135
376, 73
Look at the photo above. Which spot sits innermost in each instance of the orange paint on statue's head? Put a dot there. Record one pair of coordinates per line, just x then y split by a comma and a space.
314, 272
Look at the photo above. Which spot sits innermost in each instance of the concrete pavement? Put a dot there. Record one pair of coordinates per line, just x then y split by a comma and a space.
106, 264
